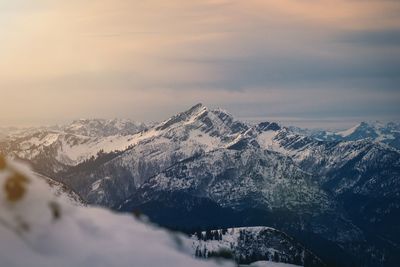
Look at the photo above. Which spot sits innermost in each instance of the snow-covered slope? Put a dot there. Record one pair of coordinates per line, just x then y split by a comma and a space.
38, 229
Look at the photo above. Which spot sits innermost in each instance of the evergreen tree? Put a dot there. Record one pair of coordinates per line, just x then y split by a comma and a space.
215, 235
276, 257
199, 234
297, 259
208, 235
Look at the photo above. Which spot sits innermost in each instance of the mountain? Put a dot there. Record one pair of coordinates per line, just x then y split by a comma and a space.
245, 183
39, 229
251, 244
251, 186
53, 149
388, 133
361, 175
204, 168
247, 187
187, 134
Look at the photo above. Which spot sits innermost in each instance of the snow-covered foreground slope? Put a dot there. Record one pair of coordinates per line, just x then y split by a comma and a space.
38, 229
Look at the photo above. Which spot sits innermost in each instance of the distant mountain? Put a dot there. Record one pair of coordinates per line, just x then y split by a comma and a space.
204, 168
103, 128
53, 149
388, 133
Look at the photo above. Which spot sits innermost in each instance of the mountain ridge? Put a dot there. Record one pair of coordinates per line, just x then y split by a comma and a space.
195, 162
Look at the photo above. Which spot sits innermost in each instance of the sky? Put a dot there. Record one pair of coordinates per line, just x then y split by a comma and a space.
311, 63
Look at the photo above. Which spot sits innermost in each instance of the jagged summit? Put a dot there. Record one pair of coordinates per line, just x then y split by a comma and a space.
214, 122
198, 106
195, 110
185, 116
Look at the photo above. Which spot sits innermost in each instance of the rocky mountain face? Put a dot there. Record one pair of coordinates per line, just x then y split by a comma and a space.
203, 168
362, 175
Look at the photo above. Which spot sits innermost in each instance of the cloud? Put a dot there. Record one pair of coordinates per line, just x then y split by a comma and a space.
136, 58
389, 37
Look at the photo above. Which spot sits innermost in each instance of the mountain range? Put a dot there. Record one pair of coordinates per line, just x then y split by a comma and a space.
336, 193
388, 133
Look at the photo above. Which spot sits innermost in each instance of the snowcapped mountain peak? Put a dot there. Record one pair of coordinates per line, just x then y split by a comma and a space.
193, 112
198, 106
375, 130
215, 122
366, 128
189, 115
351, 130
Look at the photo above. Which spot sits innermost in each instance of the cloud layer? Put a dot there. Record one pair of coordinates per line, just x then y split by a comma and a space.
148, 59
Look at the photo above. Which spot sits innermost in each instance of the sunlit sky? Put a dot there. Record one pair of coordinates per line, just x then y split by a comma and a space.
314, 63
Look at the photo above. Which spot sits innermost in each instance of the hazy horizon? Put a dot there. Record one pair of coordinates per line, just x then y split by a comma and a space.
302, 122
